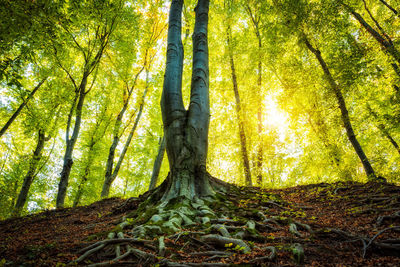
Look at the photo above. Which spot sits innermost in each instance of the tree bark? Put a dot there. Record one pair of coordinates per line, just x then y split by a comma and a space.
344, 112
239, 113
23, 104
186, 132
37, 155
68, 161
109, 179
157, 164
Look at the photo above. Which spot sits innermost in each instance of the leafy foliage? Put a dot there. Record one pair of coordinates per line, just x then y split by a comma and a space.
302, 137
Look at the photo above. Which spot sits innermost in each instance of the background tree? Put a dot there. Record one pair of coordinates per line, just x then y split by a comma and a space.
303, 138
91, 51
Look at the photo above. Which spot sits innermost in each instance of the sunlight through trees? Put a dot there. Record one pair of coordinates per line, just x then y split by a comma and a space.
300, 92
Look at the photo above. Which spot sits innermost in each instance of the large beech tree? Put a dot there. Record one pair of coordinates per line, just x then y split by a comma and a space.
186, 131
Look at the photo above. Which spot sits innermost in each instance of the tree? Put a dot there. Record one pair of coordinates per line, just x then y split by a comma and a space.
157, 164
33, 165
111, 173
239, 111
23, 104
382, 38
256, 20
344, 112
186, 131
96, 133
92, 51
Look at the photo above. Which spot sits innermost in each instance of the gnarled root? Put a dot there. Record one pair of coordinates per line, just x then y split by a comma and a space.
210, 227
387, 247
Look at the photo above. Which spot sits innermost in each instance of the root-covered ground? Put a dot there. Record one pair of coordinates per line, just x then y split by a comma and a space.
343, 224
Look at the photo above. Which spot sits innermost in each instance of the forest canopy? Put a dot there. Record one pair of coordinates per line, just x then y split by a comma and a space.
300, 92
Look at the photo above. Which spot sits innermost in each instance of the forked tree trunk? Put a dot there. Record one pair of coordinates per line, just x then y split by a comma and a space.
117, 129
186, 131
344, 112
239, 113
37, 155
110, 177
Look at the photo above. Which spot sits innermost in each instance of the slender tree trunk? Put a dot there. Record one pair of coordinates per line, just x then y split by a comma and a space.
23, 104
384, 37
389, 6
344, 112
37, 155
325, 140
14, 196
186, 132
85, 176
117, 127
111, 156
386, 133
239, 113
95, 137
259, 158
157, 164
110, 178
68, 161
383, 130
384, 40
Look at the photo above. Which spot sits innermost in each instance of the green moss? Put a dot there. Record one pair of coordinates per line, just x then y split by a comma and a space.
100, 235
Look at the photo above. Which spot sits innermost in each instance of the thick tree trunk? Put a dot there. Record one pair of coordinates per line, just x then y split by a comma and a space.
344, 112
23, 104
186, 132
68, 161
239, 113
157, 164
109, 179
37, 155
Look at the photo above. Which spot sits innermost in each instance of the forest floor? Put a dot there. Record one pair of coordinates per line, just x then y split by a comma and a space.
353, 224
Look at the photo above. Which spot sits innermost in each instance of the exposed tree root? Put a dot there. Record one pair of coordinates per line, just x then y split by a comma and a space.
215, 229
388, 247
382, 219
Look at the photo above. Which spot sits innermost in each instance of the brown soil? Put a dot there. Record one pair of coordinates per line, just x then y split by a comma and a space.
53, 238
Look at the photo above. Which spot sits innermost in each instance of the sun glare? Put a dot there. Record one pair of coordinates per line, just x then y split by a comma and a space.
274, 117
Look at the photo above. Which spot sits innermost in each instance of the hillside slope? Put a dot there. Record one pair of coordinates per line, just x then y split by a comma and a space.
351, 225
